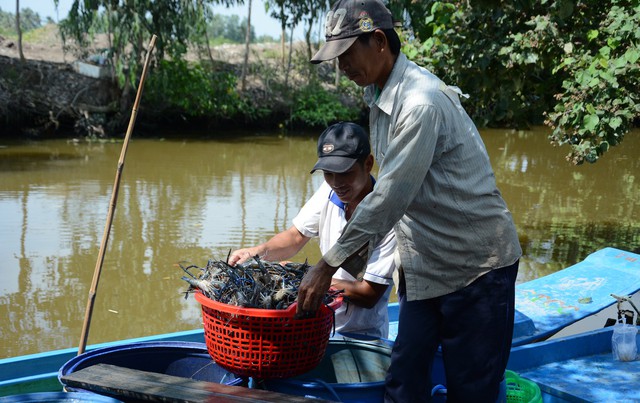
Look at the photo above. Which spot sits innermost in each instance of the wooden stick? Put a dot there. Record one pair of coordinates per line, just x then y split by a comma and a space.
112, 205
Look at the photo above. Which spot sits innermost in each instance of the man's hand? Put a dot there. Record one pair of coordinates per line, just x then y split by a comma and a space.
363, 293
313, 288
242, 255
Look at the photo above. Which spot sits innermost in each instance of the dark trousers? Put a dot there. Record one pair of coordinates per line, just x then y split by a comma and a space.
474, 326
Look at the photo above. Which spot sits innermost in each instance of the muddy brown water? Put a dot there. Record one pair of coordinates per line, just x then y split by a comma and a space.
191, 200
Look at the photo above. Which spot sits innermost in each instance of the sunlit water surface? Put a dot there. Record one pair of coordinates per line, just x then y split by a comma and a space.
192, 200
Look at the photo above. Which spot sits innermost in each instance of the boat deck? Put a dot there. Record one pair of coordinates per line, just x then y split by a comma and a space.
129, 384
579, 368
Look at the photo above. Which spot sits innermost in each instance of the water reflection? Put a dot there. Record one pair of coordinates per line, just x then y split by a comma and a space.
565, 212
197, 199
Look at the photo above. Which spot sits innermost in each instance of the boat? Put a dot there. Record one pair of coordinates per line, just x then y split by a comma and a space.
545, 307
578, 368
38, 372
578, 298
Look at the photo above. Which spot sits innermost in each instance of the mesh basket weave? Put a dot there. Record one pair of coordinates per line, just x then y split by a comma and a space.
265, 343
521, 390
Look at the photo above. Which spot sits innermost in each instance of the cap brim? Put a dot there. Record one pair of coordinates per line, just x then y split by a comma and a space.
335, 164
332, 49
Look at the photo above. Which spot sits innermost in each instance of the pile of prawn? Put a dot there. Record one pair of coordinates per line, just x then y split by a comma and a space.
253, 284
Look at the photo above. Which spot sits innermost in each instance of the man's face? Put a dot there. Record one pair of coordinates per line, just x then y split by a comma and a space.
353, 185
360, 63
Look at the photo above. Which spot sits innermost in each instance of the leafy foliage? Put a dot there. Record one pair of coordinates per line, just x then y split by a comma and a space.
312, 105
601, 99
29, 20
519, 60
228, 28
495, 55
177, 88
130, 24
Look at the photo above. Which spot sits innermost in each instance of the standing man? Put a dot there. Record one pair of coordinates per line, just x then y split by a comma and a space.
458, 249
344, 157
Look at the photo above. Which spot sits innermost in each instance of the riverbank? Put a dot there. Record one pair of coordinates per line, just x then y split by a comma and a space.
47, 96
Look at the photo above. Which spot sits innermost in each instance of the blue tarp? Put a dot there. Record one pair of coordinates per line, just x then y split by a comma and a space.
548, 304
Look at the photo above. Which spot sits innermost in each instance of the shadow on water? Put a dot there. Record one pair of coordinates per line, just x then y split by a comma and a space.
33, 160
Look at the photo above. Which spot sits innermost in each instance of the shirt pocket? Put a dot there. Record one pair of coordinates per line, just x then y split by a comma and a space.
380, 137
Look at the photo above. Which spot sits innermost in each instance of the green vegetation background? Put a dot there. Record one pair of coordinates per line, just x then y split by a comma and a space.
571, 65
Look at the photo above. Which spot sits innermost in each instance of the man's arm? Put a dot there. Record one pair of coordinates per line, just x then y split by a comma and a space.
313, 287
377, 277
361, 293
402, 173
407, 160
282, 246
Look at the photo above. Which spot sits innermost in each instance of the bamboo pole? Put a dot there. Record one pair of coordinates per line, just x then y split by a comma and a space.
112, 205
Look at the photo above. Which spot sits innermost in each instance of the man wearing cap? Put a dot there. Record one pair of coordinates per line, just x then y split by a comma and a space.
457, 246
344, 157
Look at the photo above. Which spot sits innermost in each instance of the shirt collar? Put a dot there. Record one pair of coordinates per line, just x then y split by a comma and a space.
385, 100
333, 197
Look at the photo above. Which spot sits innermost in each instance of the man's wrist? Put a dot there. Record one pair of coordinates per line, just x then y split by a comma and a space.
326, 268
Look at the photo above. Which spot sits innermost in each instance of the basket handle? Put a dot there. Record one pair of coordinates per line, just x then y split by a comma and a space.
335, 304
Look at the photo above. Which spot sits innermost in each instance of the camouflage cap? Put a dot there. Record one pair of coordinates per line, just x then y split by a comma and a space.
347, 20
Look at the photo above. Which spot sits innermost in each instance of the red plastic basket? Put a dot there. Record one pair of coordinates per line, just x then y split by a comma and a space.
265, 343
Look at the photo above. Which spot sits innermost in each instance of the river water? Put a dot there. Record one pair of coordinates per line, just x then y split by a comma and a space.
190, 200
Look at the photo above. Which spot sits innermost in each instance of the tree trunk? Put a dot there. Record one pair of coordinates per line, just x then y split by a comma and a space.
307, 38
112, 55
282, 35
206, 33
286, 77
247, 41
19, 31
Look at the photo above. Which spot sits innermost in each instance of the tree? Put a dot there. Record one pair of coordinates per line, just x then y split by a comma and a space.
290, 13
28, 20
600, 101
206, 15
217, 26
523, 60
245, 64
278, 10
130, 23
316, 8
19, 31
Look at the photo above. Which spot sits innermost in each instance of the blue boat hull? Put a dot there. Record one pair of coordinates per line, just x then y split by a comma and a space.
39, 372
578, 368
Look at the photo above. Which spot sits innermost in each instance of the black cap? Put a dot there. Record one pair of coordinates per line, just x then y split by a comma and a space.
347, 20
340, 146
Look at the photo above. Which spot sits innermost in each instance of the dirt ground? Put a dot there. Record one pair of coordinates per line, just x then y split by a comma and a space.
47, 46
47, 91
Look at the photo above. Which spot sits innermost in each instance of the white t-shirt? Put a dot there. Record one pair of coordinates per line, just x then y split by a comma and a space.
323, 216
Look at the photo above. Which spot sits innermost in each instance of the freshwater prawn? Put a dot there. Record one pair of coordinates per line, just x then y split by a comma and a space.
253, 284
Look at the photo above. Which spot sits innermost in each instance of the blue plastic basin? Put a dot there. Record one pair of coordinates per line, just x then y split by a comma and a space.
351, 371
354, 371
58, 397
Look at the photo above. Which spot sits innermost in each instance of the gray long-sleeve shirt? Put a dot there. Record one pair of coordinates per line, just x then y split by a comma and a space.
435, 188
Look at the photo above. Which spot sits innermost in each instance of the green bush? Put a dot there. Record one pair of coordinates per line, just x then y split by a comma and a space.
573, 62
496, 55
601, 99
177, 88
314, 106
